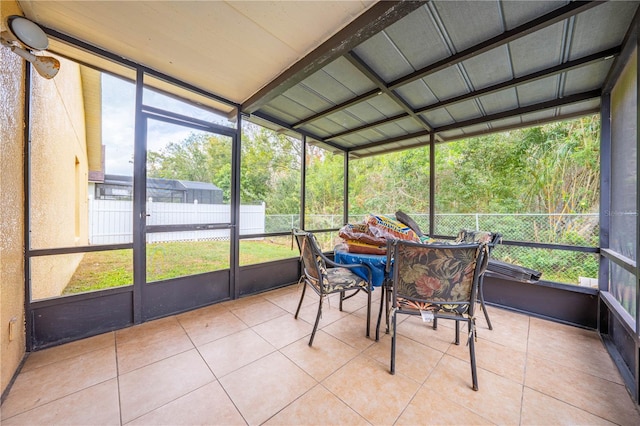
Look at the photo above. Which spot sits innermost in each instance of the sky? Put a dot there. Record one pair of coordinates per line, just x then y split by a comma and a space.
118, 123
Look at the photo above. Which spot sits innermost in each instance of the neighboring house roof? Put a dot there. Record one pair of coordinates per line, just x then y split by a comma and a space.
160, 183
197, 185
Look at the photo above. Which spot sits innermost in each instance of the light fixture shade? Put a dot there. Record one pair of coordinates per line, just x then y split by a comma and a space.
27, 32
46, 66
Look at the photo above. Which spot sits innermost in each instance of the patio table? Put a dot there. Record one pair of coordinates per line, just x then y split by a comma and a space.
379, 277
377, 262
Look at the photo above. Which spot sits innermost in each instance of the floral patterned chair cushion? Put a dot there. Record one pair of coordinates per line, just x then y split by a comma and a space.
435, 278
342, 279
334, 279
315, 267
441, 278
324, 281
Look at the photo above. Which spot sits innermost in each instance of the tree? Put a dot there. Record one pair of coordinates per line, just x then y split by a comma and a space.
324, 182
200, 158
270, 170
183, 160
270, 166
548, 169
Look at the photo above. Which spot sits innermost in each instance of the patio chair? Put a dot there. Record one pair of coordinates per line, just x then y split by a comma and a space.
491, 239
325, 281
436, 281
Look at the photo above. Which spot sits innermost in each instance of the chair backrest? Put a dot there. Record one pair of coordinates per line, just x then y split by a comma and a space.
438, 277
471, 236
313, 265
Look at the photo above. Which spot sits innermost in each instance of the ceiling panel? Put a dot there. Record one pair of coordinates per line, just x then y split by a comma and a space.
538, 91
385, 105
489, 68
534, 118
466, 23
344, 120
392, 130
601, 28
366, 112
410, 125
438, 117
417, 94
229, 48
383, 57
447, 83
355, 140
325, 86
586, 78
452, 134
517, 13
422, 45
278, 114
582, 106
308, 101
428, 53
505, 122
343, 72
500, 101
323, 127
540, 50
481, 127
463, 111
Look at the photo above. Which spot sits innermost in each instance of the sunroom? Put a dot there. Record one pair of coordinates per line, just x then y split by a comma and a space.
129, 179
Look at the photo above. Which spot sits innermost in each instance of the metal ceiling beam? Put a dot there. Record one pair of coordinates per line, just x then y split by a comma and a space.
567, 66
537, 24
365, 69
390, 140
528, 78
520, 125
353, 101
282, 124
628, 47
355, 154
546, 20
579, 97
361, 66
369, 126
372, 21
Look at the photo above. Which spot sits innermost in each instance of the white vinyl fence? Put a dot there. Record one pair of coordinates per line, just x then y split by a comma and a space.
110, 221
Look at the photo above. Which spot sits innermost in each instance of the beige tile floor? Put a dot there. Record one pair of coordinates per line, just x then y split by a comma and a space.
248, 362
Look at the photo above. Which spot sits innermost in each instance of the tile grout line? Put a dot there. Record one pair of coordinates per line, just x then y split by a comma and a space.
115, 346
318, 383
524, 373
65, 395
155, 362
216, 379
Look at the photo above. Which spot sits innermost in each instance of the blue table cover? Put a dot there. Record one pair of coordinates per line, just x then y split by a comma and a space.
377, 262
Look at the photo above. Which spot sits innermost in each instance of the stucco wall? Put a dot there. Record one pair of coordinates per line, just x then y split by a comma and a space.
59, 177
11, 206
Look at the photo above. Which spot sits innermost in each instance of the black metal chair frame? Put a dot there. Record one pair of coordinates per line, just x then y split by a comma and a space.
304, 238
495, 239
386, 287
481, 261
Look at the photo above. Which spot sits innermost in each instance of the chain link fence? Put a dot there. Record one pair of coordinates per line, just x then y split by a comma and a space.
565, 266
570, 267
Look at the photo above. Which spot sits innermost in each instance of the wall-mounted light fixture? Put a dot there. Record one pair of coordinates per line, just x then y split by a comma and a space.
23, 37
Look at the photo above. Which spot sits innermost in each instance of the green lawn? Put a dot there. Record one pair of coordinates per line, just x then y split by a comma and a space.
106, 269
